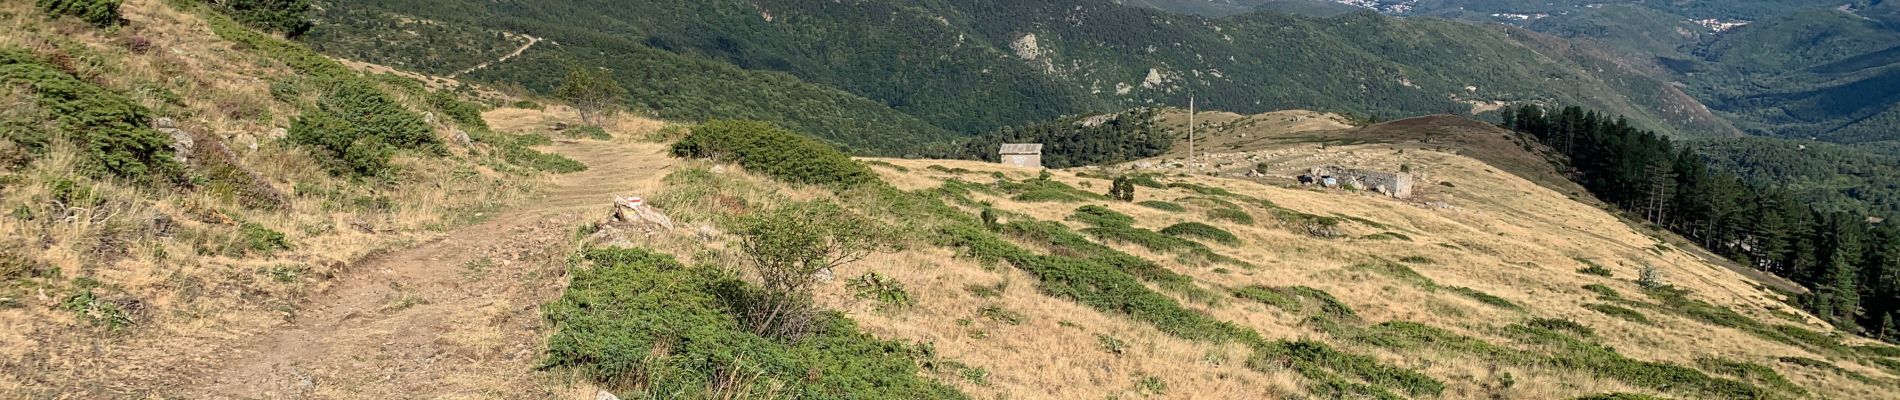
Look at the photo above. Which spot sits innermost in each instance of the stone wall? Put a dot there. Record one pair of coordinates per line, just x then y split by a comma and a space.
1391, 184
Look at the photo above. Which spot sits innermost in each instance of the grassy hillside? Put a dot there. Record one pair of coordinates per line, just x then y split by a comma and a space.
173, 173
978, 66
1023, 284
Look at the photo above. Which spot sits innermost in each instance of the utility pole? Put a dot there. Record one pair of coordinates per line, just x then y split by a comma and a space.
1190, 126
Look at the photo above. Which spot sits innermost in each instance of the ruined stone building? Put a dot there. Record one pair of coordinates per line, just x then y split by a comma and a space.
1027, 155
1391, 184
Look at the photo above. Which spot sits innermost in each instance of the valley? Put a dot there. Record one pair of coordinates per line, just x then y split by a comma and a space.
770, 199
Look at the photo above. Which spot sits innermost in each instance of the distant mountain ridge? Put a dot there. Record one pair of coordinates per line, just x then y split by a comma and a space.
941, 69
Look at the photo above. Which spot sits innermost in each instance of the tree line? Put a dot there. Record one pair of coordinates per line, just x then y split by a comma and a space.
1851, 264
1072, 141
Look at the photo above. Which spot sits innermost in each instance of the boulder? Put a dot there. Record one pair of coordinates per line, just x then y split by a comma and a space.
164, 123
461, 138
604, 395
183, 146
246, 141
635, 211
277, 134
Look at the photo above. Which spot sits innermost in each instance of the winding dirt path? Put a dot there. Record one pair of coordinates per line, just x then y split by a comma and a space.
457, 317
517, 53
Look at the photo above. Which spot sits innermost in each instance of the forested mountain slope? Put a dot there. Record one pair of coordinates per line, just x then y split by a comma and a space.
972, 66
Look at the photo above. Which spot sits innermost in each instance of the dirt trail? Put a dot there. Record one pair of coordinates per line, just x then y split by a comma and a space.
517, 53
457, 317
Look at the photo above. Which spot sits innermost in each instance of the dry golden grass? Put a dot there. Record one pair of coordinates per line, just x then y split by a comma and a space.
1494, 232
182, 287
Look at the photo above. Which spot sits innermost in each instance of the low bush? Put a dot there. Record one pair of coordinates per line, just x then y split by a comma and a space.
887, 293
1483, 297
1060, 240
1618, 311
112, 132
465, 113
1200, 230
1826, 366
255, 238
1417, 260
1269, 296
1619, 396
590, 132
96, 12
1097, 285
356, 127
1100, 216
288, 17
1387, 236
1202, 189
781, 154
1234, 215
637, 321
1752, 372
1554, 324
1397, 271
1309, 224
541, 161
1163, 206
1591, 268
1046, 190
1320, 362
1603, 291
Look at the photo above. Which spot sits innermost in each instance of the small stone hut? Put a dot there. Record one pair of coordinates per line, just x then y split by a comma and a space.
1027, 155
1388, 183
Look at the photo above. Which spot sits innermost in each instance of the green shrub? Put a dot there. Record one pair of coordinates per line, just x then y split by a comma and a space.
1397, 271
1483, 297
112, 131
1095, 284
253, 237
1046, 190
527, 105
96, 12
1751, 372
1387, 236
1163, 206
1200, 230
1619, 312
288, 17
541, 161
1826, 366
775, 152
1416, 260
86, 302
1269, 296
629, 302
465, 113
1619, 396
1591, 268
1603, 291
590, 132
1147, 180
889, 294
356, 128
1202, 189
1234, 215
999, 314
1554, 324
1315, 359
1111, 344
1095, 215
